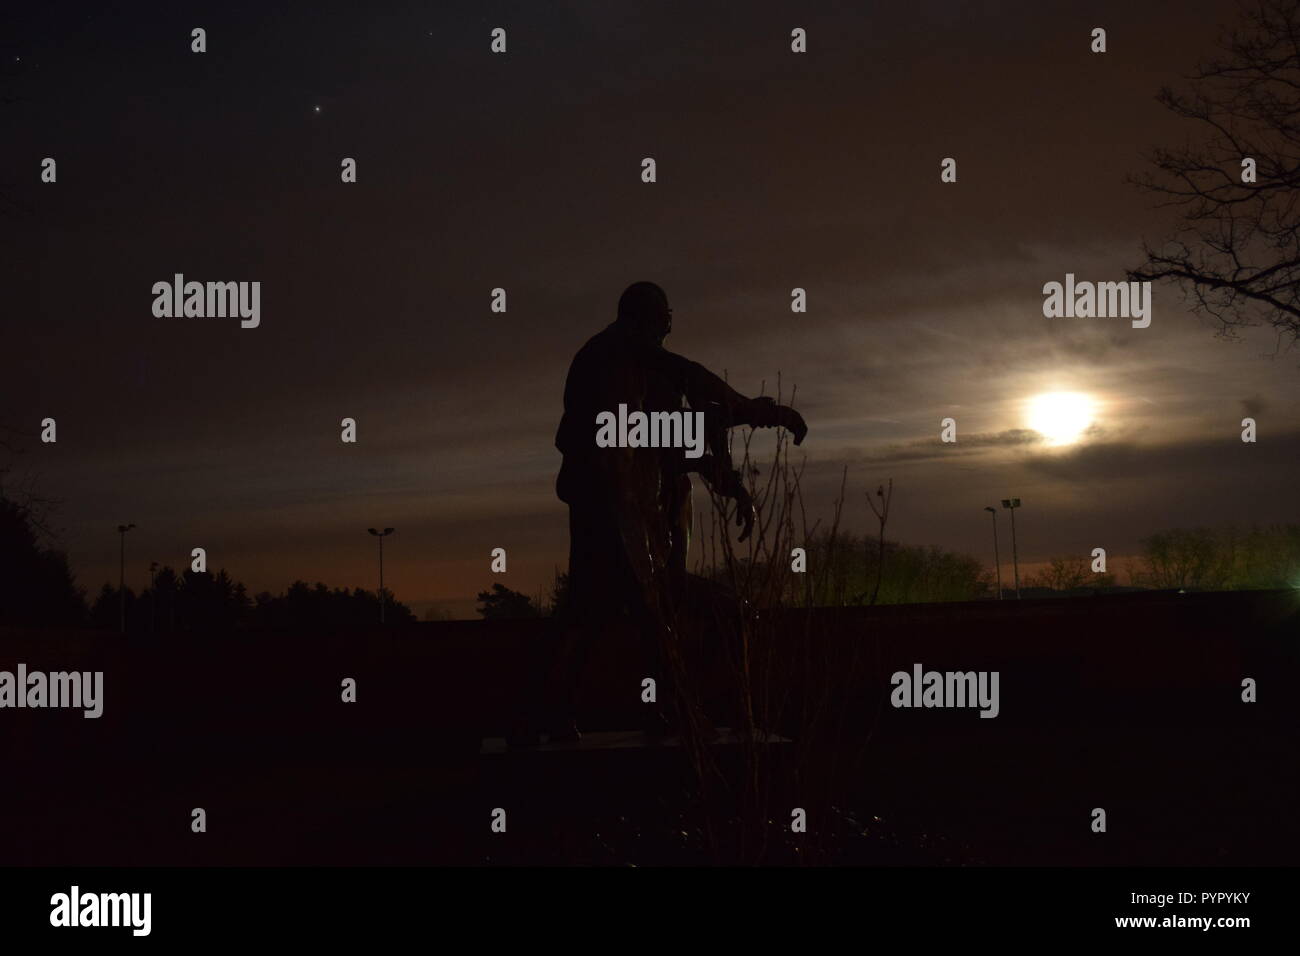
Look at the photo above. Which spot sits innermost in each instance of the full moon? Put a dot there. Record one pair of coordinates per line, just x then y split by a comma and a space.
1060, 417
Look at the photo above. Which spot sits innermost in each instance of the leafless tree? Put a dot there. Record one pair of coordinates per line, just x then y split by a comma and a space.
1236, 249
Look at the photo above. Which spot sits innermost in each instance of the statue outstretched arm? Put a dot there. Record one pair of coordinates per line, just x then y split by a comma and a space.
703, 387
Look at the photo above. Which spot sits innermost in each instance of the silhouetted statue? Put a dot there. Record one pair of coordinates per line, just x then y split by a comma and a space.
630, 508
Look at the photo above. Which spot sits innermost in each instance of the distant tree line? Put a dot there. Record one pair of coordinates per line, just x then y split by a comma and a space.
1191, 559
1221, 559
843, 570
38, 589
503, 603
1068, 574
201, 602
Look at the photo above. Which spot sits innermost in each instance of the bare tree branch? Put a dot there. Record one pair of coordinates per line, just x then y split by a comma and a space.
1236, 250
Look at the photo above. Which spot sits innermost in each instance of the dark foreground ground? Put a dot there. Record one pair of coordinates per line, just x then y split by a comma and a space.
1131, 703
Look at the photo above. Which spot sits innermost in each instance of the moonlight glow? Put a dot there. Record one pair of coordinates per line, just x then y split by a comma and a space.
1060, 417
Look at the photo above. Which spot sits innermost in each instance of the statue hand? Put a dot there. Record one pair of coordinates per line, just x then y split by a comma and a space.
792, 422
768, 414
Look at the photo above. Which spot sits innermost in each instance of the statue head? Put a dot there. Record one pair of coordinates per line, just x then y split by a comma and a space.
643, 311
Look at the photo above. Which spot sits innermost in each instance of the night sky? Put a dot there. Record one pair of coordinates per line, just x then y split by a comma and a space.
522, 171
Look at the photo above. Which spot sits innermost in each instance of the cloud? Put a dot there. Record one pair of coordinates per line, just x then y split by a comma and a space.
1204, 460
934, 448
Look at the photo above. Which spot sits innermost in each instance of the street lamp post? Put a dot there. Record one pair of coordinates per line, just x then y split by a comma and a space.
997, 561
381, 535
122, 529
1012, 504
